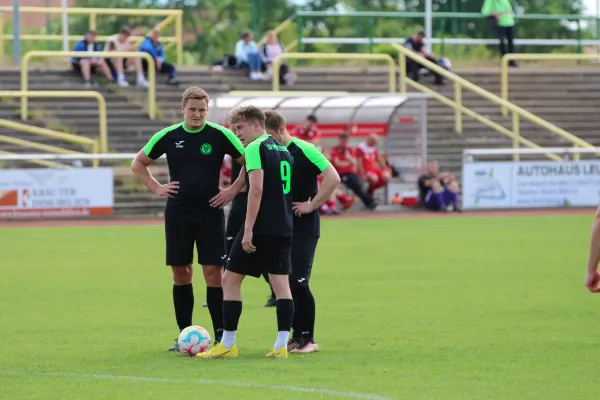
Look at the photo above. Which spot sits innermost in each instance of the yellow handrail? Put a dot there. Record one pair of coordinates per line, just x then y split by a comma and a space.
460, 83
94, 12
43, 163
35, 130
277, 30
534, 56
92, 54
334, 56
102, 117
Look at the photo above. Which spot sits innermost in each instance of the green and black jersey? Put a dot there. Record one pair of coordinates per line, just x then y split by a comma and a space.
309, 163
275, 214
194, 159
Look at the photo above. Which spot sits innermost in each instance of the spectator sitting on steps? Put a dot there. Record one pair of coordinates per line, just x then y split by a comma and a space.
247, 56
416, 44
152, 46
85, 66
120, 42
438, 192
269, 52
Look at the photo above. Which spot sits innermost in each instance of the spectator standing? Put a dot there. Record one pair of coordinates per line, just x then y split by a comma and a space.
500, 16
308, 131
269, 52
344, 161
438, 191
371, 164
416, 43
120, 42
247, 56
152, 46
85, 66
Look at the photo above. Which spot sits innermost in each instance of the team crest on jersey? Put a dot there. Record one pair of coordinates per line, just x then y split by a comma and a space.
206, 149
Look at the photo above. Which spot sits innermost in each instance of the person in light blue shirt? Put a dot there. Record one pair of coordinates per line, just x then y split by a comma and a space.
246, 54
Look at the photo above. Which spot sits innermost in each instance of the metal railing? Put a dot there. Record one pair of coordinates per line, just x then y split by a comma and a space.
537, 57
34, 130
459, 83
444, 17
171, 16
57, 94
334, 56
91, 54
43, 163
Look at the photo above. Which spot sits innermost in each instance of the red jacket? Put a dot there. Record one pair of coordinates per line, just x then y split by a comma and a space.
342, 153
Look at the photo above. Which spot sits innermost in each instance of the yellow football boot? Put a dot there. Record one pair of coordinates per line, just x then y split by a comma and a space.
281, 353
219, 351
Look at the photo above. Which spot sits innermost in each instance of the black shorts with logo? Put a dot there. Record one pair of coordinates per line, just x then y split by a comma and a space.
303, 255
272, 255
204, 228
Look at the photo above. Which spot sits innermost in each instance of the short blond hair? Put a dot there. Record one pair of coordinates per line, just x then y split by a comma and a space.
274, 120
247, 113
194, 93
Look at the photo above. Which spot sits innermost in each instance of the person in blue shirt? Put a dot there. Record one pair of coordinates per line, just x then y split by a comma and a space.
152, 46
85, 65
246, 54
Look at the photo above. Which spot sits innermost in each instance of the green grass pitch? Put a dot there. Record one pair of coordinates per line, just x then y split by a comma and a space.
428, 308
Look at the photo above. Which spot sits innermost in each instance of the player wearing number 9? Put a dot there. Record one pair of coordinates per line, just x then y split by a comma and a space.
309, 164
264, 244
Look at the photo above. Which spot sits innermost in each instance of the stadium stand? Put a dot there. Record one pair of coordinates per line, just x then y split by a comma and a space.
568, 98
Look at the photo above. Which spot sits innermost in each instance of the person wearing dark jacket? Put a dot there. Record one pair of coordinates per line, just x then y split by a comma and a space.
85, 66
152, 46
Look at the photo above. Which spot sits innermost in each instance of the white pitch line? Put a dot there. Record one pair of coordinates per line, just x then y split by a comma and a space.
349, 395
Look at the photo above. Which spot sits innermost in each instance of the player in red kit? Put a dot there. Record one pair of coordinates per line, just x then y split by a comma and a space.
308, 131
344, 161
330, 206
371, 165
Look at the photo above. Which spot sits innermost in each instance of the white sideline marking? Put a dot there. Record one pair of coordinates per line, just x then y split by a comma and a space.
353, 395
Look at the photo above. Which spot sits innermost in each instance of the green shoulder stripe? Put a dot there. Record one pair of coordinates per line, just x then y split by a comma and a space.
229, 135
157, 136
253, 160
313, 154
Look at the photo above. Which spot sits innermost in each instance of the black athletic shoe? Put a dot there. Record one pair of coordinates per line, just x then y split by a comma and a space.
175, 347
204, 305
272, 302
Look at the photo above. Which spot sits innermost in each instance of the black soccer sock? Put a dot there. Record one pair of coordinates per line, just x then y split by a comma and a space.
285, 314
231, 312
308, 316
297, 321
183, 300
214, 302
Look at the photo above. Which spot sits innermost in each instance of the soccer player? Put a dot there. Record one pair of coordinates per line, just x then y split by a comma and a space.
266, 240
592, 279
309, 164
371, 164
236, 217
195, 149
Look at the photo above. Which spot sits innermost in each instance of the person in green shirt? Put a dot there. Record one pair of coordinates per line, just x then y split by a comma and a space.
500, 14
